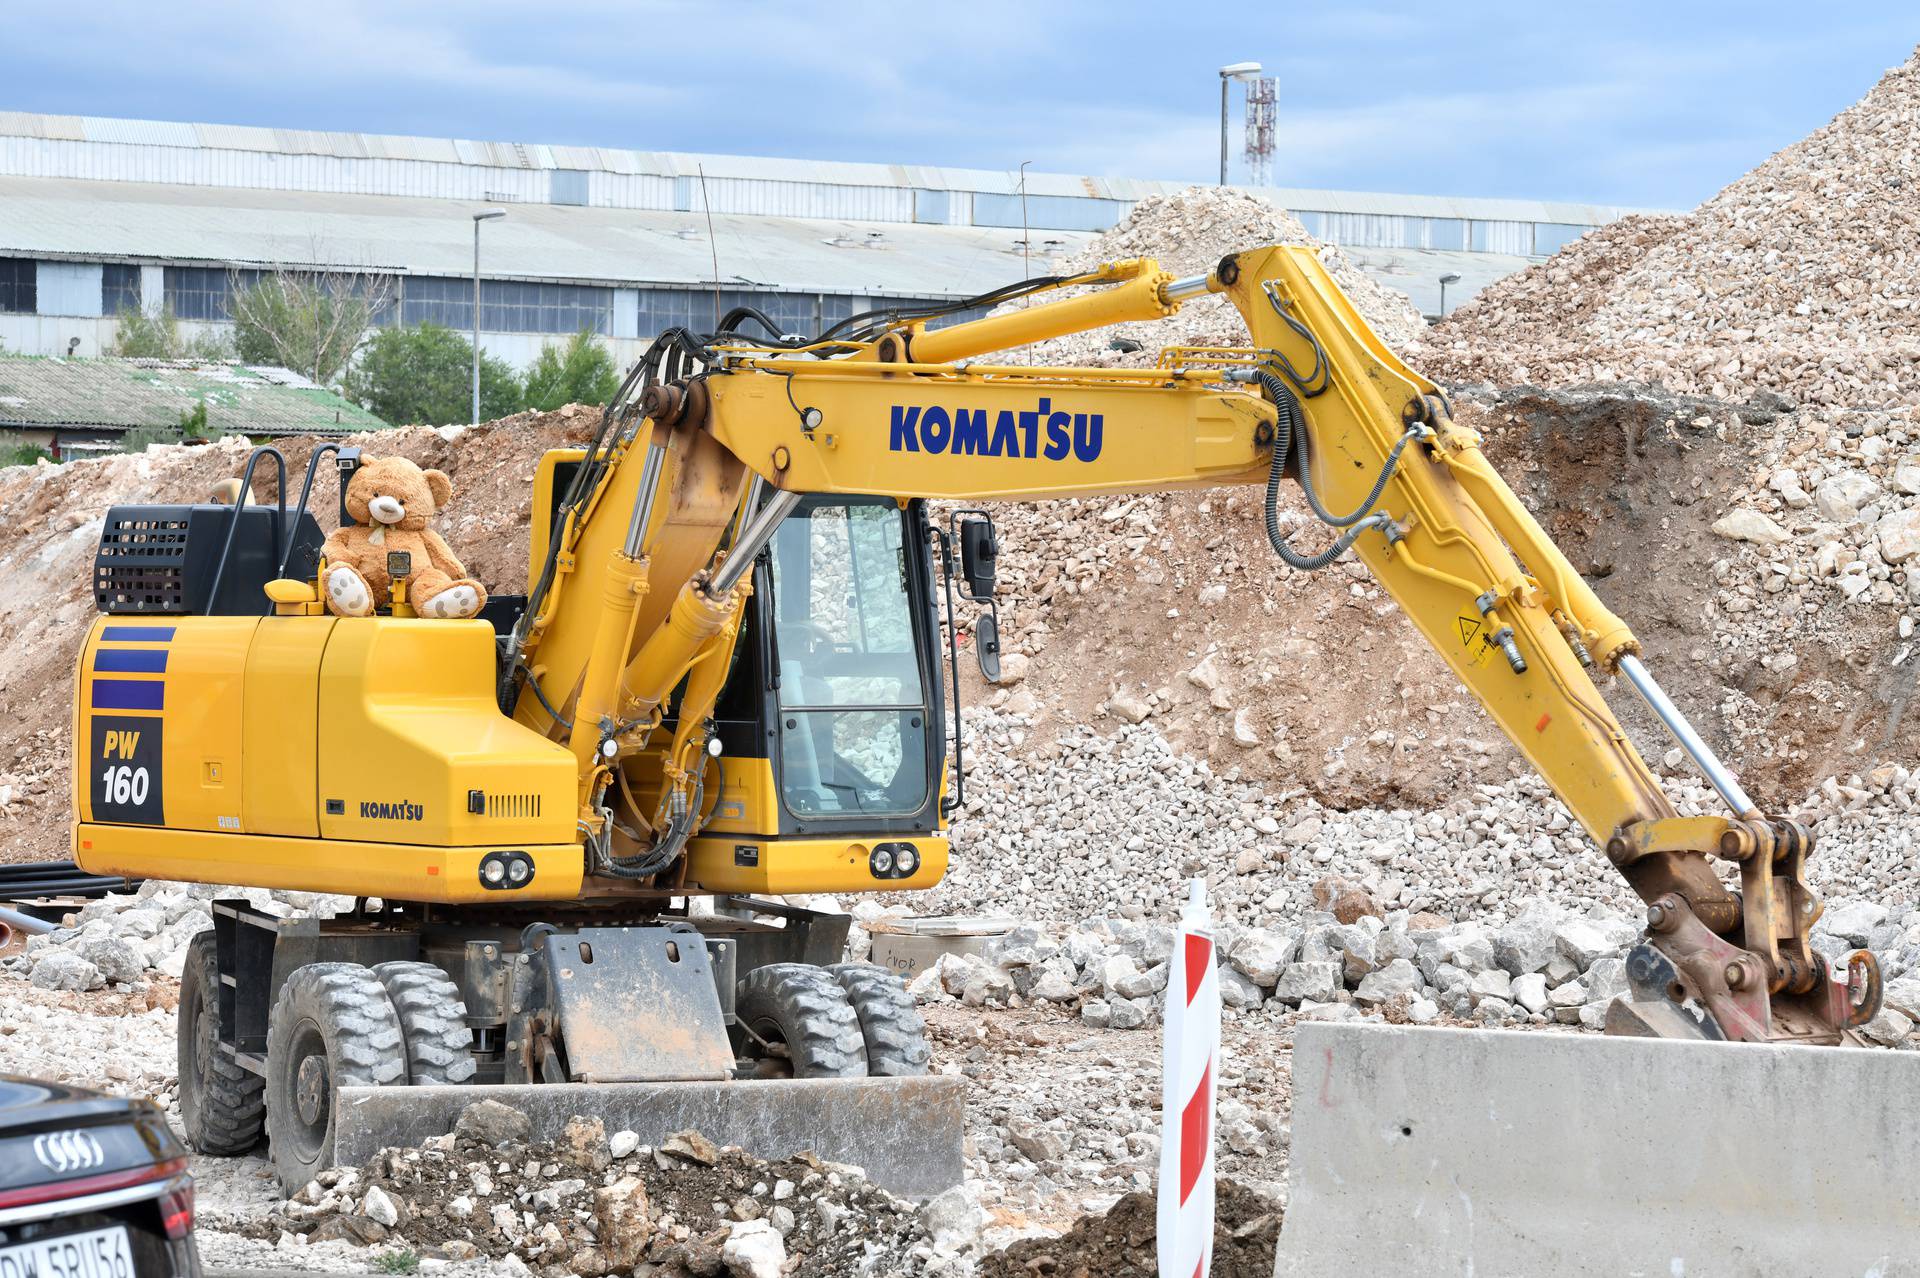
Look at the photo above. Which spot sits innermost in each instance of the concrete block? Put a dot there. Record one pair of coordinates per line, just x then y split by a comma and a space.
905, 1132
1433, 1151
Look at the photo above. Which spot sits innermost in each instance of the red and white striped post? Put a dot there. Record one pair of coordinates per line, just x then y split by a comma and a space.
1191, 1057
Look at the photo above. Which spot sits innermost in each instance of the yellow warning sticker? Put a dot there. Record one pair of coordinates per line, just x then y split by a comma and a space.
1474, 639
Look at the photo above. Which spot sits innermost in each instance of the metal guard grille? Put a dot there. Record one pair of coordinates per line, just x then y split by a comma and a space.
140, 565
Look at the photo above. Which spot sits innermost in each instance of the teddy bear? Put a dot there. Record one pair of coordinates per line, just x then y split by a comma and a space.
393, 499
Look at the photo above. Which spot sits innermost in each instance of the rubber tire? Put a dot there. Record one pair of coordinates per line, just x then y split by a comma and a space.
344, 1010
894, 1030
805, 1007
223, 1106
433, 1022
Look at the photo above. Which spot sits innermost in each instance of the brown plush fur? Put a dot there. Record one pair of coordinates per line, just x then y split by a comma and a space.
363, 547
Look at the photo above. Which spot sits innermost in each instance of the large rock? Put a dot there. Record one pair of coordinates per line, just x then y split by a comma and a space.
1582, 941
1526, 943
64, 970
1236, 990
1840, 497
114, 956
1749, 525
1899, 535
1397, 977
1853, 921
754, 1250
1530, 991
1316, 981
1260, 955
491, 1123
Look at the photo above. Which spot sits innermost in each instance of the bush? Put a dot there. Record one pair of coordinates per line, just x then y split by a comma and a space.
22, 454
138, 335
193, 422
581, 372
138, 439
423, 376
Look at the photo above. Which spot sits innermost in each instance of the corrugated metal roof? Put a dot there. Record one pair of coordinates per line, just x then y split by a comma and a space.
516, 155
122, 394
187, 224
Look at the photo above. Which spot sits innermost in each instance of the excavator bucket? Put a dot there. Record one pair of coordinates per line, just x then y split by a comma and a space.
904, 1132
1487, 1152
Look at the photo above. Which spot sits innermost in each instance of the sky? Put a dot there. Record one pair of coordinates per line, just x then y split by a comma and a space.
1622, 102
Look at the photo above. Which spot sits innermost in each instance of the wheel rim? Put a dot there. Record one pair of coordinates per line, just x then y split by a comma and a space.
309, 1089
776, 1058
200, 1047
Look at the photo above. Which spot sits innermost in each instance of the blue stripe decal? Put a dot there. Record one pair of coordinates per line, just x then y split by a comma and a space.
128, 694
137, 634
130, 660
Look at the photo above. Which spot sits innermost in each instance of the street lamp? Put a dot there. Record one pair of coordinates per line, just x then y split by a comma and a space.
487, 216
1233, 71
1451, 277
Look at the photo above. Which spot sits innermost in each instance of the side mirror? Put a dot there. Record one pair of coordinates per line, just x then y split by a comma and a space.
986, 639
979, 558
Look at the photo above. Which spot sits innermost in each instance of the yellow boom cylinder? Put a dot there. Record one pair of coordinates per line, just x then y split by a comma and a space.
1141, 297
694, 619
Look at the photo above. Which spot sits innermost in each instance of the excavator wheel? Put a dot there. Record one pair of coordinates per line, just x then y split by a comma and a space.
895, 1032
332, 1026
222, 1106
802, 1011
433, 1022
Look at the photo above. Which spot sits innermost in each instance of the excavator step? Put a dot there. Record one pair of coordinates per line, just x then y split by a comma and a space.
1431, 1151
905, 1132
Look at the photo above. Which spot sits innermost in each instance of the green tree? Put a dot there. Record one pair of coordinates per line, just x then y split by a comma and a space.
140, 438
581, 372
423, 375
310, 322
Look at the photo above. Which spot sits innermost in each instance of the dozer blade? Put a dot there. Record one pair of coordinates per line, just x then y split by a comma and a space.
905, 1132
1494, 1153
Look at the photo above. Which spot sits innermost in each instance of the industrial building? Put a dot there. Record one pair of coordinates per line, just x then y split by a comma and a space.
102, 214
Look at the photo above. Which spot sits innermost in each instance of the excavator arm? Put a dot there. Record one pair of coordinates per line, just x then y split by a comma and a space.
1318, 398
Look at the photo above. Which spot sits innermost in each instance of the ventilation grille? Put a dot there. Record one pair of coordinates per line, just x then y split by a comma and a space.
513, 805
140, 564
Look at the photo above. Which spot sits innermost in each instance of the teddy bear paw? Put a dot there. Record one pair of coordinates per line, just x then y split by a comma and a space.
348, 593
454, 601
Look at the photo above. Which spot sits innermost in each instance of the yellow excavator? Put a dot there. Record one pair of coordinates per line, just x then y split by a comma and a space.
568, 824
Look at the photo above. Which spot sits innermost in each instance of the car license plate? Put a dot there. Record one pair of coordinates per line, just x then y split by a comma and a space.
103, 1253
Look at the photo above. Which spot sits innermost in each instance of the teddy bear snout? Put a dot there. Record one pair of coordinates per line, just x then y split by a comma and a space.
387, 510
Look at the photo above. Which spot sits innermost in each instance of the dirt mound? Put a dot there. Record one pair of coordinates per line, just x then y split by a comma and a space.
53, 519
1188, 232
574, 1206
1800, 278
1120, 1244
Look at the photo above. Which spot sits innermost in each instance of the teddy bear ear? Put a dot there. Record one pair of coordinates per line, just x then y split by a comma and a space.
440, 486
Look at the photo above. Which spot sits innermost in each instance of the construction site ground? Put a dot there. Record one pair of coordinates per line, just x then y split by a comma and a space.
1728, 450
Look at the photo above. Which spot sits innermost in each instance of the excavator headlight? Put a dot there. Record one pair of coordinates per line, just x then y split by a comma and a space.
893, 860
504, 871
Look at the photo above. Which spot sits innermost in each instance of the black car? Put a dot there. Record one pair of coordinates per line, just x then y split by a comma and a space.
91, 1186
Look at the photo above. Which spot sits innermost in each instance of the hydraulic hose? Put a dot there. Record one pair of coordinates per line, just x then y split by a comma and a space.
1289, 432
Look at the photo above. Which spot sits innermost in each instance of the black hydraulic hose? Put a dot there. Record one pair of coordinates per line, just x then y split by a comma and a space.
1290, 430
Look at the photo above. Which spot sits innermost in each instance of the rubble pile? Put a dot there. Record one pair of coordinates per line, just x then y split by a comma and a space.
1120, 1242
1799, 279
1188, 232
594, 1203
124, 940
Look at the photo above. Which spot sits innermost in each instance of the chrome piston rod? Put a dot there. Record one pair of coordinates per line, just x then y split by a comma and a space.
1699, 751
